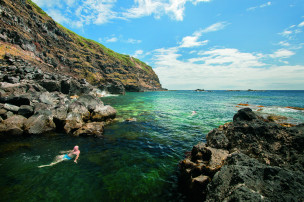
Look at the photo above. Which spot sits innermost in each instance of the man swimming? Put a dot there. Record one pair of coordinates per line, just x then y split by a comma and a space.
67, 155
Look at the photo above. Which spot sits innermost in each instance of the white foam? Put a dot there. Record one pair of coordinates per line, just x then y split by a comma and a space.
30, 158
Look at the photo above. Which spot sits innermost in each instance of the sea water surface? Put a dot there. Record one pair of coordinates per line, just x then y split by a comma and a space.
135, 161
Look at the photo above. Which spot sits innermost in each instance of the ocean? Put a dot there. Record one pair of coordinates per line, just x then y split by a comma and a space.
136, 160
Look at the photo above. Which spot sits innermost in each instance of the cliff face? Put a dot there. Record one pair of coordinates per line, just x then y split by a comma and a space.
27, 31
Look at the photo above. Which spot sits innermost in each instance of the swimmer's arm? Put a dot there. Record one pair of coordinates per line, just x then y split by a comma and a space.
64, 152
76, 157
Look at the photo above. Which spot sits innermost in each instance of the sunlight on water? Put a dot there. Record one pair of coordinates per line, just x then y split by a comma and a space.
137, 160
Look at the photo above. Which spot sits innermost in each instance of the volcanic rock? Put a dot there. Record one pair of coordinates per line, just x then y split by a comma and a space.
257, 160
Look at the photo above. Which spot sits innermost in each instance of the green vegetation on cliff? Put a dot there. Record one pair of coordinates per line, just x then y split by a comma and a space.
70, 53
38, 9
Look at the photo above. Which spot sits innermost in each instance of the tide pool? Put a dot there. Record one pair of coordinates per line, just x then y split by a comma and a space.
135, 161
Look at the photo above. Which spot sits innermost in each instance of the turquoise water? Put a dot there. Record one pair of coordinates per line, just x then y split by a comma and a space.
135, 161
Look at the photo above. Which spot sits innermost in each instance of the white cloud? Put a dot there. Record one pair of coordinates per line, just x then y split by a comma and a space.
192, 41
230, 57
198, 1
260, 6
111, 40
223, 69
265, 4
138, 53
286, 32
86, 12
301, 24
284, 43
282, 53
142, 8
57, 16
96, 12
174, 8
215, 27
80, 12
133, 41
70, 2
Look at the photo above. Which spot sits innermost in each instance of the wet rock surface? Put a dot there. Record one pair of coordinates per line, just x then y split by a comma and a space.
48, 102
249, 159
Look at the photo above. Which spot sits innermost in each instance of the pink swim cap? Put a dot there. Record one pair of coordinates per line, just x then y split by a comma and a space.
76, 148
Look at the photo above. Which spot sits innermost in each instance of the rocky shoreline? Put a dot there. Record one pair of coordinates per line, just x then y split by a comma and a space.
249, 159
34, 102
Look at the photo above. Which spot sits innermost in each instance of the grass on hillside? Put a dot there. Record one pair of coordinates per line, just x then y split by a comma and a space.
94, 46
38, 9
88, 43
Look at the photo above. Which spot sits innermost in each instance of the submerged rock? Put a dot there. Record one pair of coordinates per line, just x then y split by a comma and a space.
90, 129
102, 113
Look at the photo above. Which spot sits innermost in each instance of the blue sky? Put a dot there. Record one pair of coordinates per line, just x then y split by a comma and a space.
209, 44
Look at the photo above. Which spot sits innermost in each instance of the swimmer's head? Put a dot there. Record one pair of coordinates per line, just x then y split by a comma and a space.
76, 148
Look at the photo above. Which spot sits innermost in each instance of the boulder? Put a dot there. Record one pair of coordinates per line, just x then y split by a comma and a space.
26, 111
73, 122
103, 113
90, 129
48, 98
50, 85
246, 179
245, 114
38, 76
39, 124
29, 69
11, 108
16, 100
90, 102
13, 126
8, 114
114, 87
59, 117
217, 139
77, 89
79, 108
40, 107
2, 112
249, 159
65, 86
198, 169
11, 79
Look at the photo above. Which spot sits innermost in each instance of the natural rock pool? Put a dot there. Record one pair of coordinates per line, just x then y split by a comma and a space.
134, 161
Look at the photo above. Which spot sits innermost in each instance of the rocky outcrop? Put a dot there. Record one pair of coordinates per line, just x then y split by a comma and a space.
35, 107
27, 31
249, 159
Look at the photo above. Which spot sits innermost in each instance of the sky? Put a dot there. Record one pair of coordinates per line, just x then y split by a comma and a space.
191, 44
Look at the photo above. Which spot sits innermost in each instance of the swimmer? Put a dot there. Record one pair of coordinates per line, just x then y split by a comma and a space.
193, 113
67, 155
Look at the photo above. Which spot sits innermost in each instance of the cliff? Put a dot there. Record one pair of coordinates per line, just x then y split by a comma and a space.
26, 31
